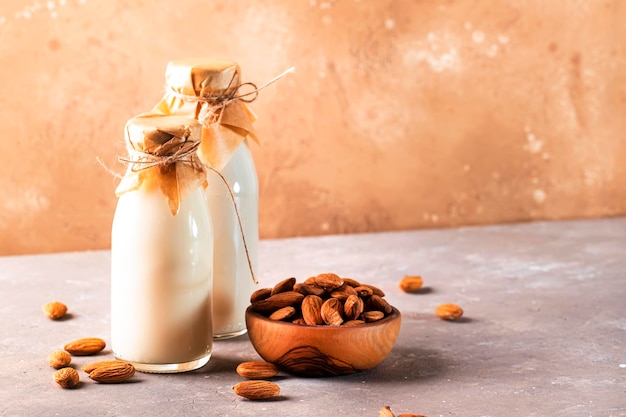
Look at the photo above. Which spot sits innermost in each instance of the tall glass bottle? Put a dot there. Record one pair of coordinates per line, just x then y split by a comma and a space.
209, 90
161, 275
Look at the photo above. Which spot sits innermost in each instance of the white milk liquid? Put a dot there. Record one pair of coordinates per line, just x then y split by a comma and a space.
232, 282
161, 273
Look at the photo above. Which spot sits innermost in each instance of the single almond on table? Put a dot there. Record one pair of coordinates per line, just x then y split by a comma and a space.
257, 370
112, 373
412, 415
85, 346
449, 311
55, 310
66, 377
59, 359
257, 390
93, 365
411, 283
386, 412
312, 310
332, 311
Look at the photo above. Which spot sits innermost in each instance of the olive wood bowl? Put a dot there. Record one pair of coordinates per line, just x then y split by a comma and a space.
322, 350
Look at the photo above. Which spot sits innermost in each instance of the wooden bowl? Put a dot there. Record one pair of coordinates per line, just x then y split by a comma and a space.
322, 350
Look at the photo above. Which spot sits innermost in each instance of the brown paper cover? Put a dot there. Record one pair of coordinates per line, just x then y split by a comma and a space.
193, 89
162, 153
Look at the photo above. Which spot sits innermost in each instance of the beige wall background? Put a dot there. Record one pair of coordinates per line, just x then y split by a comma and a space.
402, 114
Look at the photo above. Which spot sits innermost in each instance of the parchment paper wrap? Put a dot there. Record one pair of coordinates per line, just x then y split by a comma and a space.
194, 88
162, 153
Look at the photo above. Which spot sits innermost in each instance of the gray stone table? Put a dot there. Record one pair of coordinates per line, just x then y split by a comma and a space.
544, 332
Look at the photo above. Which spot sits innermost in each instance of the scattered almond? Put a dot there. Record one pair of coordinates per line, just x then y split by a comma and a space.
59, 359
386, 412
411, 283
257, 390
85, 346
55, 310
449, 311
112, 372
91, 366
66, 377
257, 370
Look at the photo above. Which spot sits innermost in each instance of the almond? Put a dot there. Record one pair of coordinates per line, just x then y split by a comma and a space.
91, 366
284, 285
280, 300
257, 370
55, 310
386, 412
257, 390
353, 307
378, 303
59, 359
411, 283
412, 415
282, 313
260, 294
310, 289
343, 292
298, 320
66, 377
353, 323
113, 372
363, 291
449, 311
85, 346
312, 310
370, 316
351, 282
377, 291
331, 312
328, 281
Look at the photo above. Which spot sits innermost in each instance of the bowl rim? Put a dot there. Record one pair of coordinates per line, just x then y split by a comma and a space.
395, 314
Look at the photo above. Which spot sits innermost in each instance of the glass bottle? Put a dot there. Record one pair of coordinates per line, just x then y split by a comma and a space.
207, 90
162, 241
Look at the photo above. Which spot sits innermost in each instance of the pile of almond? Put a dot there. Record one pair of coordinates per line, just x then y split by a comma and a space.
325, 299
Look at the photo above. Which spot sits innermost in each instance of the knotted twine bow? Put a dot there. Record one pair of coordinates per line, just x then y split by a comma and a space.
198, 89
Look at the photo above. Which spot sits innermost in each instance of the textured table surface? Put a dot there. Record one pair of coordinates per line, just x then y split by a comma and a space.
544, 332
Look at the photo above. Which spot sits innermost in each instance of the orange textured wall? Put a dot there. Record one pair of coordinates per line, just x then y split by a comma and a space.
402, 114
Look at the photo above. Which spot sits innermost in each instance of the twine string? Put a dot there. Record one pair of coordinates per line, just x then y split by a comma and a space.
213, 103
